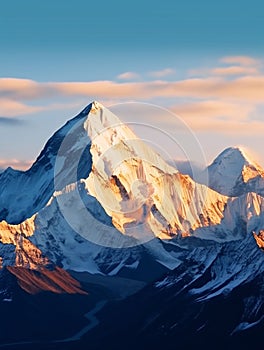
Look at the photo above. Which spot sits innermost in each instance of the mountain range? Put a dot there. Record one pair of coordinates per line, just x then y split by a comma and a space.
102, 219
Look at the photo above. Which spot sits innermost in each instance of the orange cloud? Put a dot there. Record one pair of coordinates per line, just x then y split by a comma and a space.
12, 108
249, 88
241, 60
22, 89
233, 65
234, 70
214, 109
219, 116
245, 88
211, 115
128, 76
224, 71
15, 164
162, 73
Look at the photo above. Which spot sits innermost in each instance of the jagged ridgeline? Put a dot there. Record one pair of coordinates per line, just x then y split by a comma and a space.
98, 200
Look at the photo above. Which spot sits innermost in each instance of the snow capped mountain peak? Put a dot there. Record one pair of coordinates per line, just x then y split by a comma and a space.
97, 186
95, 105
23, 193
235, 155
99, 201
233, 171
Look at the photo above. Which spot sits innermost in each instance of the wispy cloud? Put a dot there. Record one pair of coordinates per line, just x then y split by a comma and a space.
15, 163
226, 91
220, 116
249, 88
128, 76
214, 116
223, 99
162, 73
10, 121
10, 108
245, 88
230, 66
224, 71
241, 60
214, 110
234, 70
23, 89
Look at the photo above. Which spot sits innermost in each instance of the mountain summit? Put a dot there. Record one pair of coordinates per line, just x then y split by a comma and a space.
97, 164
96, 180
233, 173
23, 193
99, 205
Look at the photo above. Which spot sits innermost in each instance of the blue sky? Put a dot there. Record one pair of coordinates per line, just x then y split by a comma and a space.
168, 41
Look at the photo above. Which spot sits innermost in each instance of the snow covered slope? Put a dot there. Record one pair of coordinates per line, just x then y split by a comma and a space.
24, 193
140, 192
233, 173
99, 200
114, 193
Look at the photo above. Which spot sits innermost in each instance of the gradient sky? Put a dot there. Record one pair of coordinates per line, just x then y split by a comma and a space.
200, 59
